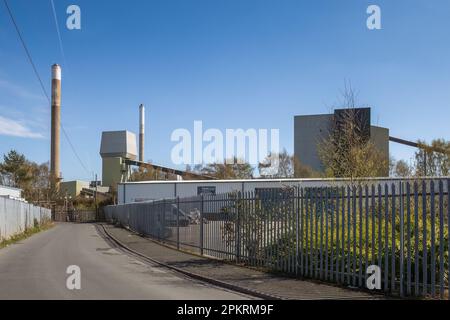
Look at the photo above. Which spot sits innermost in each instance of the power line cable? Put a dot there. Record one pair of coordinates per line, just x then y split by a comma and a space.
26, 50
40, 80
59, 33
74, 151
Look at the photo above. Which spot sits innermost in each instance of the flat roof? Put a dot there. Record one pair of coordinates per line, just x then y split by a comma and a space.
10, 188
213, 181
314, 115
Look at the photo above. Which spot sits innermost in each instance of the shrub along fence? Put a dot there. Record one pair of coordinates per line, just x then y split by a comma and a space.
17, 216
331, 233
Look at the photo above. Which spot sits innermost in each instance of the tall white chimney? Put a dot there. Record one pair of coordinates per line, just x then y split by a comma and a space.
141, 132
55, 125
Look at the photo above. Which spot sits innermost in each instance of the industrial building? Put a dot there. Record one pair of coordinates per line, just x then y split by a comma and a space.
77, 188
10, 192
131, 192
311, 130
73, 188
119, 152
116, 147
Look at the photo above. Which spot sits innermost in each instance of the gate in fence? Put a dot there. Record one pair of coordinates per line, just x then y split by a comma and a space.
78, 216
332, 233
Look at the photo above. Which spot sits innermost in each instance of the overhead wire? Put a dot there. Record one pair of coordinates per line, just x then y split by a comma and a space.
30, 59
55, 17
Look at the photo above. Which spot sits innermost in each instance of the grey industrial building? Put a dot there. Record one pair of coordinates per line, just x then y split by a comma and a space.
310, 130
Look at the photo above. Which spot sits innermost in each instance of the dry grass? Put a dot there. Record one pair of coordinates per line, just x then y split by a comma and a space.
26, 234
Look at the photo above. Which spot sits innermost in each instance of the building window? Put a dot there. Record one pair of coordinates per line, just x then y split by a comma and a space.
206, 191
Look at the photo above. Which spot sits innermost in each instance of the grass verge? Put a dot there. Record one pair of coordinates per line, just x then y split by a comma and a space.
26, 234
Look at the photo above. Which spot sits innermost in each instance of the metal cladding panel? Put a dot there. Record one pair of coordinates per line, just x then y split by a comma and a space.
309, 131
380, 138
120, 194
251, 186
118, 144
145, 192
191, 189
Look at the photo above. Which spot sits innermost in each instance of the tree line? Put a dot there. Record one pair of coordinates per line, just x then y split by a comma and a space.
33, 178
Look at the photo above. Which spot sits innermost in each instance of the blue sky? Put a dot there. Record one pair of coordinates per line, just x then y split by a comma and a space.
230, 63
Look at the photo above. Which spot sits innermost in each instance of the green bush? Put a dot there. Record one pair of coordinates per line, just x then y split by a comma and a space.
267, 229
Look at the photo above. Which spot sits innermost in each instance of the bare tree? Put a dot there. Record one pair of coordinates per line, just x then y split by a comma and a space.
402, 169
282, 168
347, 150
430, 162
288, 167
303, 171
229, 170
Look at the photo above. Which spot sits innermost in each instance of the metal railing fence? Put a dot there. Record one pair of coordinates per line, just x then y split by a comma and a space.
17, 216
328, 233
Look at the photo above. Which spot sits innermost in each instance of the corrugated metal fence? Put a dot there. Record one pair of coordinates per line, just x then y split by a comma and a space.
16, 216
329, 233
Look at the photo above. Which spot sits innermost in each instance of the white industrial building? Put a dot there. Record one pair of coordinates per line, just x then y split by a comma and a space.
130, 192
155, 190
10, 193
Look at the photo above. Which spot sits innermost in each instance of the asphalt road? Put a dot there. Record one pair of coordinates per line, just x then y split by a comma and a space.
36, 269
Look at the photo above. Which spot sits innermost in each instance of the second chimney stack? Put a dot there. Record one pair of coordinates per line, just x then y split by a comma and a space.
141, 132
